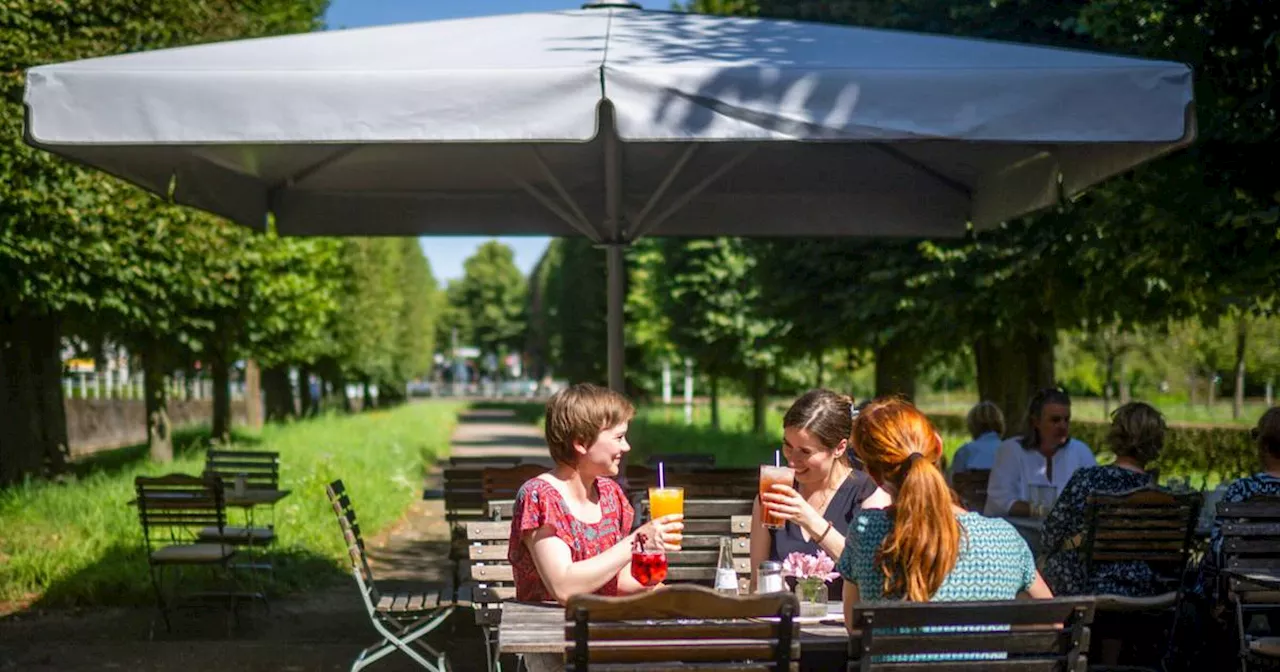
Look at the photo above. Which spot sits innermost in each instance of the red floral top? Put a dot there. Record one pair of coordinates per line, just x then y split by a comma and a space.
539, 503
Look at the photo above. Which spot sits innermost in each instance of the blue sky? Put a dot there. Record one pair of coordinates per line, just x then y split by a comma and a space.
447, 253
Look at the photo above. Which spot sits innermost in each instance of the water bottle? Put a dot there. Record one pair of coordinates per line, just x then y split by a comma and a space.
726, 575
769, 577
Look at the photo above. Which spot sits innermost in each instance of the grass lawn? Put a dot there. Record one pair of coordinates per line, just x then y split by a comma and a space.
77, 542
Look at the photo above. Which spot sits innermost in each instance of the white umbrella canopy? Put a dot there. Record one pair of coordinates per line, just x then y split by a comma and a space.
612, 122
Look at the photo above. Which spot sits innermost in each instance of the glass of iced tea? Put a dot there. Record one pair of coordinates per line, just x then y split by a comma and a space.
648, 561
769, 476
664, 502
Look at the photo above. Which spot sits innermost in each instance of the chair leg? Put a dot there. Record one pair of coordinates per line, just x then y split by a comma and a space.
157, 585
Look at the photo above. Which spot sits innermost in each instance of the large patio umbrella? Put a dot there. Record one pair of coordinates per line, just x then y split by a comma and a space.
613, 123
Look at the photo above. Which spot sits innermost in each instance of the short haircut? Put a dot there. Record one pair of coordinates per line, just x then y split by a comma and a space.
579, 413
1137, 431
1267, 432
985, 417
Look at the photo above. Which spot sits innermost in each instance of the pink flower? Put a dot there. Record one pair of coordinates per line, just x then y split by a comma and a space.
805, 566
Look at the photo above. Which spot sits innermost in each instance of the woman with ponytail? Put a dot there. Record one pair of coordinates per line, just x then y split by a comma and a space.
924, 547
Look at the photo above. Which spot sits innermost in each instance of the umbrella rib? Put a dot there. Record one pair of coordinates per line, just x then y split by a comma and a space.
698, 188
662, 188
559, 188
273, 192
581, 226
902, 157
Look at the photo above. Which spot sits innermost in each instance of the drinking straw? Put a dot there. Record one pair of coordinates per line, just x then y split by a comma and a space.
662, 481
777, 458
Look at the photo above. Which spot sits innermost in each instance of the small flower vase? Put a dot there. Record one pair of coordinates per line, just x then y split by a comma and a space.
812, 593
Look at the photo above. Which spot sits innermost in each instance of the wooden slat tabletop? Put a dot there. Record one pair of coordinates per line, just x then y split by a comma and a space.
539, 628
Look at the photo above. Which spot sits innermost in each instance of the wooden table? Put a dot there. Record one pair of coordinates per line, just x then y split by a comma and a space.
251, 498
539, 628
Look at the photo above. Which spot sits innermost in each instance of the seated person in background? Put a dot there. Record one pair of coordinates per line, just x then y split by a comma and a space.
986, 426
924, 548
820, 504
1044, 455
1136, 437
569, 525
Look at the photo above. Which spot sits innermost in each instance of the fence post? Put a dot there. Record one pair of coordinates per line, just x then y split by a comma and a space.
84, 386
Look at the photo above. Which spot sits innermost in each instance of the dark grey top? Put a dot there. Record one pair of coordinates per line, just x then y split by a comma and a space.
841, 510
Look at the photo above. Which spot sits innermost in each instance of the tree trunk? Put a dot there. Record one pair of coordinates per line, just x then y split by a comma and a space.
220, 371
33, 437
896, 369
818, 357
1211, 390
340, 389
1242, 339
252, 395
1011, 368
1107, 377
306, 400
714, 387
156, 399
759, 390
366, 397
1125, 393
277, 393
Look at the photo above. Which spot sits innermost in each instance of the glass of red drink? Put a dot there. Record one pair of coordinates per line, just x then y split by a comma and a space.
648, 562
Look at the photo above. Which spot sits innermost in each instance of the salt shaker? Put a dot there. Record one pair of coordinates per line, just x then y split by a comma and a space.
769, 577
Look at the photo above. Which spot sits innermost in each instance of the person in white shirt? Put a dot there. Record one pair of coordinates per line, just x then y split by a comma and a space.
1044, 455
986, 426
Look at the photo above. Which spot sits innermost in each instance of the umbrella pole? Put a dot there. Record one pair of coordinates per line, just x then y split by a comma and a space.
617, 299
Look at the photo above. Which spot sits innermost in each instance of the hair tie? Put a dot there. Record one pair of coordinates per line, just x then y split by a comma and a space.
913, 457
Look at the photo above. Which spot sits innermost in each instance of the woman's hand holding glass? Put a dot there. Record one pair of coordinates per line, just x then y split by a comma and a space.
667, 530
784, 502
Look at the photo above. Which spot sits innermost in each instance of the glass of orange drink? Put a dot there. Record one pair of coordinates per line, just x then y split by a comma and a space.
664, 502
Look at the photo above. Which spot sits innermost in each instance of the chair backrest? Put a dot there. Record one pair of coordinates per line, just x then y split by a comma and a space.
1033, 634
717, 483
971, 488
1147, 524
1251, 540
173, 508
486, 564
706, 521
682, 624
261, 468
353, 540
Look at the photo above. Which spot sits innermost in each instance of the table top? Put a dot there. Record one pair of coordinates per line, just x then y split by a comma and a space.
539, 628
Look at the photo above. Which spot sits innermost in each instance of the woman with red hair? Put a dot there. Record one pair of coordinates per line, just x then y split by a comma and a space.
925, 548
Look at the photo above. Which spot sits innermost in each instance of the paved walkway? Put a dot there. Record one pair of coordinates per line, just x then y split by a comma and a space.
322, 630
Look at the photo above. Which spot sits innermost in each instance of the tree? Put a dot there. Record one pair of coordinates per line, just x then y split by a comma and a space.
710, 292
491, 294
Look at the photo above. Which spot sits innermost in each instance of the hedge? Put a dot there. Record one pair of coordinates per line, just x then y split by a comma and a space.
1207, 454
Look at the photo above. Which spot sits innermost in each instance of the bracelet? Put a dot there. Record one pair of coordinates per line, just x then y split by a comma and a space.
825, 532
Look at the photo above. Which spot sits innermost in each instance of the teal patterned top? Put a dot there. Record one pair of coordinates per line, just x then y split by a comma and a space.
994, 564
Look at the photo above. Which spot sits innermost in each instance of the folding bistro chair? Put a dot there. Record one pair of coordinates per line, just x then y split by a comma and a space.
1251, 544
402, 618
173, 510
682, 628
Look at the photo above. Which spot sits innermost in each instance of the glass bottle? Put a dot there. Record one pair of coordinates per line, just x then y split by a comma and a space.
726, 575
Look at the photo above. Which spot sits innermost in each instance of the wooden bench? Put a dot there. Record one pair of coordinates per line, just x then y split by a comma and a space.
1023, 635
679, 626
1251, 541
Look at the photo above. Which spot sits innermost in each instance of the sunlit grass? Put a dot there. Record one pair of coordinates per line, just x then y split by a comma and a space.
79, 542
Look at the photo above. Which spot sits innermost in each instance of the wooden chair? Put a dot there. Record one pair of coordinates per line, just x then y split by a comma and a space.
682, 628
491, 576
1015, 636
1251, 541
401, 618
1148, 525
259, 468
706, 521
173, 510
971, 488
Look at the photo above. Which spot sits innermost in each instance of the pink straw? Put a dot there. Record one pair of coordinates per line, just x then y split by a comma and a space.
662, 481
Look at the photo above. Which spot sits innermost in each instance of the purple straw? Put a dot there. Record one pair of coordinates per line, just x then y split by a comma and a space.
777, 458
662, 481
